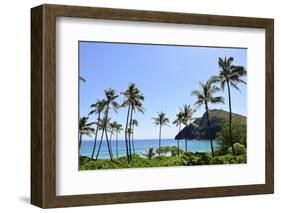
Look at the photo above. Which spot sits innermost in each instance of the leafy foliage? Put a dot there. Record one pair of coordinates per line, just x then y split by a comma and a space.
134, 102
202, 158
137, 162
239, 149
206, 94
187, 159
85, 128
199, 128
239, 135
161, 119
171, 150
229, 74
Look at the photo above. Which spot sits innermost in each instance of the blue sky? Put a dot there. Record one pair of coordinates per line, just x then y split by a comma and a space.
165, 74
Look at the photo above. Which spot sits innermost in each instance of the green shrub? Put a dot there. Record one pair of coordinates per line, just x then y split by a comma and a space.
186, 159
174, 151
205, 159
239, 149
218, 160
190, 159
241, 158
163, 150
239, 135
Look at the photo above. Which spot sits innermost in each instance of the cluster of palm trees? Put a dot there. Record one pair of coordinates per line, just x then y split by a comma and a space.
184, 117
133, 101
229, 76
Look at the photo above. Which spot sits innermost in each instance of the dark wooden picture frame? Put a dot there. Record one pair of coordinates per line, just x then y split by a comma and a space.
43, 105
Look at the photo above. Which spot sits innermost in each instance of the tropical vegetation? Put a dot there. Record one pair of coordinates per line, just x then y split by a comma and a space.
160, 121
229, 132
205, 96
229, 76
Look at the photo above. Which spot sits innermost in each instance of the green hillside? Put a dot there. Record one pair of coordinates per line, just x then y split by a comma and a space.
199, 128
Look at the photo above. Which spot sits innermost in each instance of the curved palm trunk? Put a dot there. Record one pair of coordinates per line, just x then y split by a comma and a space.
126, 134
230, 119
96, 136
159, 139
130, 123
106, 136
209, 127
80, 141
110, 144
116, 144
100, 145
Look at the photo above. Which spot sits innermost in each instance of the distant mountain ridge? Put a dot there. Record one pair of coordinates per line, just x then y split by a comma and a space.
198, 129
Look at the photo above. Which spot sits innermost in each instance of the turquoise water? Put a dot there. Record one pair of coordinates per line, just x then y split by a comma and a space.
142, 145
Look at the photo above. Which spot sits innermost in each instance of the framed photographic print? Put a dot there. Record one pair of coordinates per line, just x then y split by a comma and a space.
136, 106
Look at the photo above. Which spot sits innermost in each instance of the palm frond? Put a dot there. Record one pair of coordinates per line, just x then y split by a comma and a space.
230, 73
82, 79
234, 85
218, 99
161, 119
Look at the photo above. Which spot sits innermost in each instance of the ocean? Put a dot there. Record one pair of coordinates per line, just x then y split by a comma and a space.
142, 145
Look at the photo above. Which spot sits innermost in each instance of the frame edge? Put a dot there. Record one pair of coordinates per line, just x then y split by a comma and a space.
269, 73
37, 197
43, 71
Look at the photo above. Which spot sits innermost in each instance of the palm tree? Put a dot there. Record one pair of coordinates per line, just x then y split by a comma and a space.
111, 129
131, 146
110, 95
204, 97
178, 122
133, 100
85, 128
117, 128
160, 120
230, 76
187, 113
103, 126
97, 108
135, 123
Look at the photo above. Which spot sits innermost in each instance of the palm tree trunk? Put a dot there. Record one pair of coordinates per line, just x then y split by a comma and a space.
116, 144
105, 131
130, 123
126, 134
80, 141
107, 142
209, 127
133, 142
159, 140
96, 135
100, 145
110, 145
230, 119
